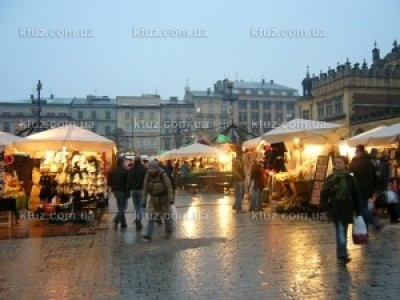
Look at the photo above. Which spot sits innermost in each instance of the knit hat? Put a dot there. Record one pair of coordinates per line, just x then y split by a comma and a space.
153, 164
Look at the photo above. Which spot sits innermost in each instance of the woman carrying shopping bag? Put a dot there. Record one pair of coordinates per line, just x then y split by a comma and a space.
341, 196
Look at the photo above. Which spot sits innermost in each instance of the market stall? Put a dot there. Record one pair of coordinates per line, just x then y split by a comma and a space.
69, 164
305, 141
208, 164
12, 195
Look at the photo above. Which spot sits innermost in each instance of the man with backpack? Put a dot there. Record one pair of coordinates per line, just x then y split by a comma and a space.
158, 189
136, 176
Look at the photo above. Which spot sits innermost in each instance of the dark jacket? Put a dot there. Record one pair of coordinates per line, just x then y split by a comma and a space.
341, 210
136, 177
258, 176
365, 173
237, 170
117, 179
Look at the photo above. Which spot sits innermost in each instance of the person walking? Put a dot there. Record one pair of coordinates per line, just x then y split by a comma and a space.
365, 173
158, 189
257, 179
117, 180
136, 177
184, 172
238, 181
340, 195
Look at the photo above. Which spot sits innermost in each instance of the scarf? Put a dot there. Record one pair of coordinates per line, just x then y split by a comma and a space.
338, 184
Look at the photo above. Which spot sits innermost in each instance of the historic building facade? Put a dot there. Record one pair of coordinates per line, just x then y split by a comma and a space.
357, 95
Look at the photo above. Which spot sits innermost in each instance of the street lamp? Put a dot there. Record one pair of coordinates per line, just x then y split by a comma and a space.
231, 98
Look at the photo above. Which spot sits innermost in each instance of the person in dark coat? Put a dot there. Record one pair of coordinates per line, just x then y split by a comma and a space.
117, 181
136, 177
257, 178
341, 196
365, 173
238, 176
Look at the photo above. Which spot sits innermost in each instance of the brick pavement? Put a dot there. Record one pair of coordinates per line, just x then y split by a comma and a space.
214, 254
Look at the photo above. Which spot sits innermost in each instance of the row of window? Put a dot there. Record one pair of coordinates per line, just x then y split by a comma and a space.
267, 116
255, 104
94, 115
330, 108
93, 128
256, 92
21, 114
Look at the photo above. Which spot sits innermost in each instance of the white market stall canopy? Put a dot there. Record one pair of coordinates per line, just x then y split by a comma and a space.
71, 136
251, 144
379, 137
305, 129
192, 150
364, 137
7, 139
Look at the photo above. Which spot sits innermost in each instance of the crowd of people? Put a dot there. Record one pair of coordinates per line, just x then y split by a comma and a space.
359, 188
151, 185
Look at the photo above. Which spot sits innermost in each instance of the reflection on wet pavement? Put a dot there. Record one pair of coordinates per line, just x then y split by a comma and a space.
214, 254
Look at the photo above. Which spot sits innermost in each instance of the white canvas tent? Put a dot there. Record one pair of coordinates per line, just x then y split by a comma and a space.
251, 144
379, 137
363, 137
71, 136
7, 139
192, 150
305, 130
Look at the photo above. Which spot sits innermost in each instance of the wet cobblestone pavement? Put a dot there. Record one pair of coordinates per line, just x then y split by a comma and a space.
213, 254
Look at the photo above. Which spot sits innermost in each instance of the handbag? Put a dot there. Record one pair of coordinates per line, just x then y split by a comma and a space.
360, 233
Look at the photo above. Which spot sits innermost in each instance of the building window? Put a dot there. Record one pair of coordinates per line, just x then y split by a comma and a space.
279, 105
289, 116
141, 115
320, 108
306, 114
127, 127
94, 115
254, 104
80, 115
272, 93
328, 108
167, 144
152, 143
279, 118
248, 92
338, 106
152, 116
255, 117
94, 128
260, 92
235, 91
6, 127
108, 115
267, 105
224, 124
242, 117
127, 115
255, 130
290, 106
283, 93
267, 117
242, 104
108, 129
224, 110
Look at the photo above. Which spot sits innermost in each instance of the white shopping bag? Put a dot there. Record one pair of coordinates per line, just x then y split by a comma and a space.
360, 233
174, 211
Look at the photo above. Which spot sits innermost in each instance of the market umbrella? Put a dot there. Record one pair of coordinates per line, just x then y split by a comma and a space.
71, 136
305, 129
384, 136
193, 150
7, 139
363, 138
251, 144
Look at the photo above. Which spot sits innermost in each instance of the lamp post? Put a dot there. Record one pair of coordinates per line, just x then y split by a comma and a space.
229, 97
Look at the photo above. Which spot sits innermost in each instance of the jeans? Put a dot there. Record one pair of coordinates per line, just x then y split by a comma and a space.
137, 196
152, 219
239, 194
121, 197
256, 197
341, 239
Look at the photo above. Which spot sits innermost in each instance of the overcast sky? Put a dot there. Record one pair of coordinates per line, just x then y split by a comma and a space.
115, 53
